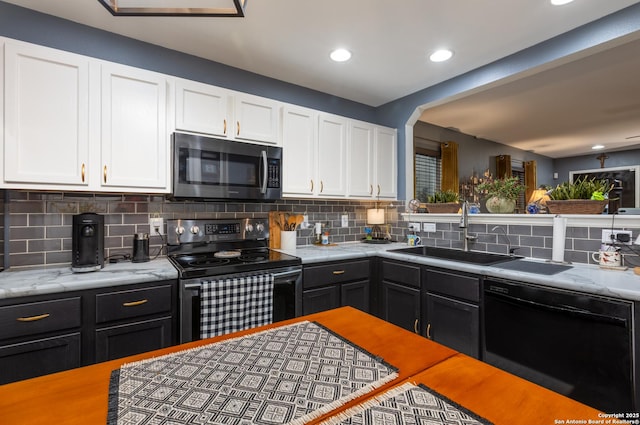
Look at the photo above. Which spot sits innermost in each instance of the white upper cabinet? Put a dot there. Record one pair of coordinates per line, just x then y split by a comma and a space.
360, 160
134, 137
46, 128
332, 155
256, 119
206, 109
203, 108
386, 163
299, 146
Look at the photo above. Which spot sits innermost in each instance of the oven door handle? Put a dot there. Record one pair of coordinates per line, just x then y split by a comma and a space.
263, 186
286, 274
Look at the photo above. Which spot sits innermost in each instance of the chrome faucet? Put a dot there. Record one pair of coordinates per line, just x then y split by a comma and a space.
464, 224
510, 250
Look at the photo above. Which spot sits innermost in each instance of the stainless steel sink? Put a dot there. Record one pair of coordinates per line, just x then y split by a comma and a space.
473, 257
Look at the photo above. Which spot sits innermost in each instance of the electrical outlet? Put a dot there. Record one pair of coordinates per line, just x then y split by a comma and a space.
345, 220
611, 236
156, 223
414, 226
428, 227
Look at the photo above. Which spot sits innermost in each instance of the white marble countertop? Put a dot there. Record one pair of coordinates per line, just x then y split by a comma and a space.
580, 277
61, 279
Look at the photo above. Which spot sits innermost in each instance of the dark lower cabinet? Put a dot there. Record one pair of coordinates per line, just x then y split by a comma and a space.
37, 357
337, 284
125, 340
454, 323
50, 333
401, 306
400, 294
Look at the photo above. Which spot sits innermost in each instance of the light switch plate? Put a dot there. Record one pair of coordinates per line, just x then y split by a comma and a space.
428, 227
345, 220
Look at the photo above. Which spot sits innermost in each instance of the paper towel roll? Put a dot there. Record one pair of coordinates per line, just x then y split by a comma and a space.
559, 234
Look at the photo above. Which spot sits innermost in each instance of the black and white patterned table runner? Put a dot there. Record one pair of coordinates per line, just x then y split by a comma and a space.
235, 304
285, 375
407, 404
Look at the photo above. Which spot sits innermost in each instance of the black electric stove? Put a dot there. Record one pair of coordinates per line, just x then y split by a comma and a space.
199, 248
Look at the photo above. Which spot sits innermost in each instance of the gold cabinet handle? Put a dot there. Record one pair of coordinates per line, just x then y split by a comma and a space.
238, 128
321, 186
224, 127
378, 190
337, 272
415, 326
82, 170
312, 185
135, 303
104, 174
429, 331
370, 189
33, 318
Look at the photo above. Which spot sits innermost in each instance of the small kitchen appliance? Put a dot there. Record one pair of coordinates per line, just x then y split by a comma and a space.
140, 248
87, 242
215, 250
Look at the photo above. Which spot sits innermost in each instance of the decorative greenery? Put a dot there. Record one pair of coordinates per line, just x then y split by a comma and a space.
443, 196
581, 189
508, 188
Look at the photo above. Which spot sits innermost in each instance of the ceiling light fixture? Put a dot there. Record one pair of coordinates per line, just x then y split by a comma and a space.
441, 55
560, 2
340, 55
597, 147
214, 8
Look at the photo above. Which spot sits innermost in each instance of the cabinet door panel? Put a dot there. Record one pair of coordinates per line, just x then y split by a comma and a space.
135, 141
322, 299
202, 108
332, 156
386, 163
355, 294
454, 323
256, 119
47, 116
139, 337
361, 163
401, 306
299, 151
39, 357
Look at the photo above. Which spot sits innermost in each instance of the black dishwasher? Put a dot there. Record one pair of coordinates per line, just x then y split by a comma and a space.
576, 344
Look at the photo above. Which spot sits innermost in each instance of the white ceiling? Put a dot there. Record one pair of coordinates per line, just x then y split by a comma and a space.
290, 40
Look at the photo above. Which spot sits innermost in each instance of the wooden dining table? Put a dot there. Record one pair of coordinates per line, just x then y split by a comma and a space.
80, 396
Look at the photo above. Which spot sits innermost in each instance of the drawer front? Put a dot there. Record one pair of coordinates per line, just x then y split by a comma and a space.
134, 303
453, 284
404, 274
35, 318
327, 274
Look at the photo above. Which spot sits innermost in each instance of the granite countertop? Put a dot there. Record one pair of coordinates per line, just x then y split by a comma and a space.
49, 280
579, 277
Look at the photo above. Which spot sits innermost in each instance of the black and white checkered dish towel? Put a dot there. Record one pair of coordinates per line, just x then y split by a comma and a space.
234, 304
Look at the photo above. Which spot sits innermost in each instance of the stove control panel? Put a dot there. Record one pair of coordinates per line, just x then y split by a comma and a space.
202, 230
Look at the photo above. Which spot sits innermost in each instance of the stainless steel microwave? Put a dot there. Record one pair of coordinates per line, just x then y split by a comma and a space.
210, 168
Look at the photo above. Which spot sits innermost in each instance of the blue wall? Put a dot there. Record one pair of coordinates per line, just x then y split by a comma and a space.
24, 24
590, 162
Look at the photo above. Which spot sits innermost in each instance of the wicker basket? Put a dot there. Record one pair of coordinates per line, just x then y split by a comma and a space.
576, 206
442, 208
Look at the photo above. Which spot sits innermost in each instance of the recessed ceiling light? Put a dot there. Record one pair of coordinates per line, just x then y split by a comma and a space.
340, 55
441, 55
560, 2
597, 147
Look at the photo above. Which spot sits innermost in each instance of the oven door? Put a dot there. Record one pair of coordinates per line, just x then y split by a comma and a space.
287, 299
212, 168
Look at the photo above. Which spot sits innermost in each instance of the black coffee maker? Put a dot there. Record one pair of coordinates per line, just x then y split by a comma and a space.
87, 242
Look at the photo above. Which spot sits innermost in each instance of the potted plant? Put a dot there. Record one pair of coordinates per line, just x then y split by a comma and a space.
584, 196
501, 194
443, 201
